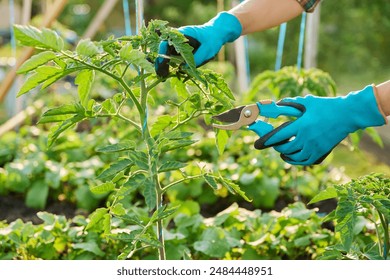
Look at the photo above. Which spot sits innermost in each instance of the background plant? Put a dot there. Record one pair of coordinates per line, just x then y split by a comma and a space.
363, 206
232, 234
41, 176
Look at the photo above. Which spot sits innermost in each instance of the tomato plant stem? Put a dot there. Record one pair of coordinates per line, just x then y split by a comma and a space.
385, 225
108, 73
159, 200
119, 116
153, 160
181, 181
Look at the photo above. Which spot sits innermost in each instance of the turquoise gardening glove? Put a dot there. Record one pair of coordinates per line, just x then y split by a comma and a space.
325, 122
206, 39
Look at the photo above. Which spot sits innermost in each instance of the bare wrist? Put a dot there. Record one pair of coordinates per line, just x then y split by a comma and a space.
382, 93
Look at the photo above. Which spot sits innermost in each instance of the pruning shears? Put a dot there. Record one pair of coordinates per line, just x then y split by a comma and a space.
247, 116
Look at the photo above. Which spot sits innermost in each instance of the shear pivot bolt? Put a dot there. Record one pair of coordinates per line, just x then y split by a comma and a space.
247, 113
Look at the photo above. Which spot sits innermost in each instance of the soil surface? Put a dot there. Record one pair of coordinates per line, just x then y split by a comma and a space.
12, 207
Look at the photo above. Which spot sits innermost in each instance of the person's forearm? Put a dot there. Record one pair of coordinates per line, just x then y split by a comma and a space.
383, 95
259, 15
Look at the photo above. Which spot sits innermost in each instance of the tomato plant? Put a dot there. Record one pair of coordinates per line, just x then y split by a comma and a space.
154, 132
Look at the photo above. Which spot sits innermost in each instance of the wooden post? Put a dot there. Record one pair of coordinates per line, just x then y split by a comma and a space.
220, 8
140, 14
20, 102
48, 20
10, 101
20, 117
311, 43
241, 65
100, 17
26, 12
241, 62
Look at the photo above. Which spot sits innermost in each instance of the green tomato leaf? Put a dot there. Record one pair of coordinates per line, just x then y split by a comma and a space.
124, 52
219, 82
103, 188
375, 136
175, 144
36, 61
180, 88
42, 74
383, 206
328, 193
149, 240
233, 188
43, 39
166, 212
140, 159
171, 165
136, 57
180, 43
96, 217
222, 139
61, 113
175, 135
210, 180
346, 221
84, 82
149, 192
50, 80
134, 183
118, 209
86, 47
56, 130
116, 168
118, 147
107, 223
109, 106
162, 123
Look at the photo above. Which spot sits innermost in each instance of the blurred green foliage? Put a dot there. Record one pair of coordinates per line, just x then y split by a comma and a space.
353, 39
234, 233
41, 176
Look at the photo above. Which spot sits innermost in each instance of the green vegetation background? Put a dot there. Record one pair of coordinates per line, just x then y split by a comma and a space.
354, 37
354, 40
353, 46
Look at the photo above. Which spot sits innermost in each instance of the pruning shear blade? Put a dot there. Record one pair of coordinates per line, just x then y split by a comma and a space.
238, 117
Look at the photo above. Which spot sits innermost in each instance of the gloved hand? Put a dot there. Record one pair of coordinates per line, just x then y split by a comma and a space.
206, 39
325, 123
